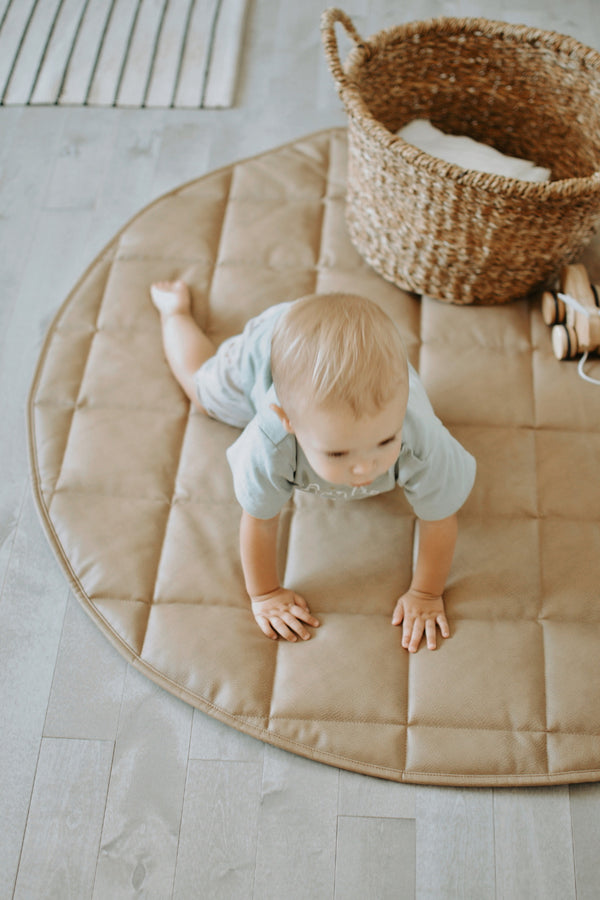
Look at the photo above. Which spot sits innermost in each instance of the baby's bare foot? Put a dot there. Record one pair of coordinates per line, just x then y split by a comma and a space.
171, 297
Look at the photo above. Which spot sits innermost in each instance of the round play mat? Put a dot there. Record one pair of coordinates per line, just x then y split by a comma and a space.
135, 495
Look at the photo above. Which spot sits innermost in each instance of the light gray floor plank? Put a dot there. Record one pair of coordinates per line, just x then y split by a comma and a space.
375, 858
88, 137
11, 117
29, 145
143, 813
455, 844
217, 847
128, 179
534, 849
361, 795
10, 513
184, 149
296, 829
213, 740
65, 820
585, 817
295, 51
87, 687
32, 605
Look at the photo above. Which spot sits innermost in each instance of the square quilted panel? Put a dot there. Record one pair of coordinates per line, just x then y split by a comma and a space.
362, 568
66, 363
568, 467
497, 328
207, 633
131, 454
506, 474
201, 538
572, 676
380, 745
337, 250
112, 543
508, 757
127, 369
508, 657
266, 234
569, 579
496, 570
203, 477
572, 757
300, 172
334, 657
238, 288
502, 377
186, 230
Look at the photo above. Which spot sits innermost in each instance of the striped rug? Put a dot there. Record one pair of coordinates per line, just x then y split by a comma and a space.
125, 53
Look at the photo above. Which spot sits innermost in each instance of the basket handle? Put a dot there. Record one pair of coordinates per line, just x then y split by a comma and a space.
329, 18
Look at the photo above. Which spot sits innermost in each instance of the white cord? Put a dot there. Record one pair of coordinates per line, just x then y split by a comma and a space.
587, 311
583, 375
571, 301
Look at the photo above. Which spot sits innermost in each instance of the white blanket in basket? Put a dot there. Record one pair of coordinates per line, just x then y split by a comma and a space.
468, 153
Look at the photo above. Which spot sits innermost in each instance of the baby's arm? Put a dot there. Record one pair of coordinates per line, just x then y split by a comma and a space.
278, 611
421, 608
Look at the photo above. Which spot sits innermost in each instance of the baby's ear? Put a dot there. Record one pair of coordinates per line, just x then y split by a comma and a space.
283, 418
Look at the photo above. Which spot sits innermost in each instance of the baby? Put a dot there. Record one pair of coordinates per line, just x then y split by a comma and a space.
328, 404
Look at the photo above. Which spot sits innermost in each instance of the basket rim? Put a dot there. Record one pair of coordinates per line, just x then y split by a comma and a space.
483, 27
564, 189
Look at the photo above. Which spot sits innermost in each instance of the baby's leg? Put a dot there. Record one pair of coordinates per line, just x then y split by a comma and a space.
185, 344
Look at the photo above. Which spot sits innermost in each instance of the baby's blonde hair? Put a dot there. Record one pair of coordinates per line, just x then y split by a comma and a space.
332, 349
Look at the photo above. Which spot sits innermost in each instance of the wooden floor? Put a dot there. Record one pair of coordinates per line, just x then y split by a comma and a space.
110, 787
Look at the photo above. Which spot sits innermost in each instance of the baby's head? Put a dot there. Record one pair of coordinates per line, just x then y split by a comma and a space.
341, 377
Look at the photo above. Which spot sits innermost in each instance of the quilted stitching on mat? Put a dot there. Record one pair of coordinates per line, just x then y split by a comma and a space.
136, 497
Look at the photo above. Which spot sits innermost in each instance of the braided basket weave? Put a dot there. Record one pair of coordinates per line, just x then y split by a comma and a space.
459, 235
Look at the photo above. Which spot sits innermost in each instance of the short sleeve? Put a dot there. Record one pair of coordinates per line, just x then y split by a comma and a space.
263, 470
434, 469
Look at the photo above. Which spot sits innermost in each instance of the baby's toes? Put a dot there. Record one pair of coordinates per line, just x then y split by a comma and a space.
170, 296
162, 285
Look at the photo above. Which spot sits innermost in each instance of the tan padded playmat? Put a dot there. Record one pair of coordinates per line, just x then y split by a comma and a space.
136, 498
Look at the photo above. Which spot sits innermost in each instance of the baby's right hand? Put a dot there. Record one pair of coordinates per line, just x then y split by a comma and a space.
281, 612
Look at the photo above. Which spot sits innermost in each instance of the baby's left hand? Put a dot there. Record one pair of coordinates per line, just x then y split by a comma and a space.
419, 613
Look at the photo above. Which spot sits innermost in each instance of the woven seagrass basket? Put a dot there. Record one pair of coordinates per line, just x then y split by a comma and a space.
459, 235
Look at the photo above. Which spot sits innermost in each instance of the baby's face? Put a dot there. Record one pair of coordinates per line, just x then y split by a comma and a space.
345, 450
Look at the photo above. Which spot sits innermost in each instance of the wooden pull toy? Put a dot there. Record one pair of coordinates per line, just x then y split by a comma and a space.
574, 313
